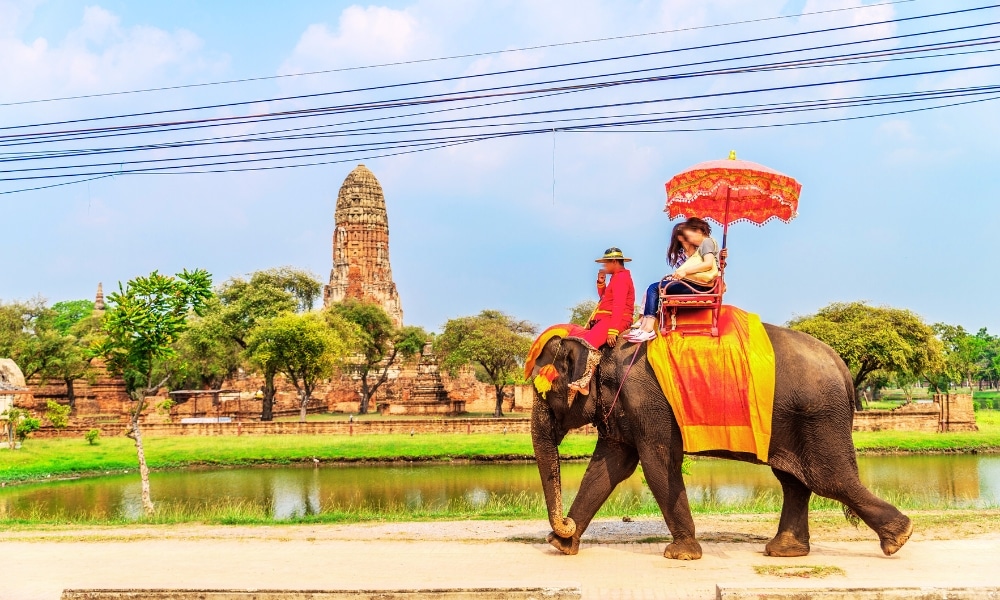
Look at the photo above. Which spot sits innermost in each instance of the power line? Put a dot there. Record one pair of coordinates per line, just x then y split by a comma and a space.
339, 149
825, 61
507, 72
375, 156
450, 124
414, 100
457, 56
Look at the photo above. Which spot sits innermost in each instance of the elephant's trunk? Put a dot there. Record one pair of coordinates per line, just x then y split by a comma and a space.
543, 438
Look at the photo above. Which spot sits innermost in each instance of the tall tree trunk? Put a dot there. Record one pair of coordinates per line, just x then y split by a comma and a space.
366, 396
267, 404
136, 435
70, 392
303, 402
498, 411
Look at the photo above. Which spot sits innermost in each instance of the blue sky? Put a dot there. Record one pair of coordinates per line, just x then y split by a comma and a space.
899, 210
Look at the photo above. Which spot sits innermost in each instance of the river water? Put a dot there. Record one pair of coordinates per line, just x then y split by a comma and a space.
939, 481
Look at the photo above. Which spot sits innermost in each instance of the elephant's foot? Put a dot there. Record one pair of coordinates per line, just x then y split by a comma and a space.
895, 535
686, 549
568, 546
786, 544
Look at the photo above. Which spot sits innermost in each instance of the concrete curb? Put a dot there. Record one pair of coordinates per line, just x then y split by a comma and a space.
442, 594
870, 593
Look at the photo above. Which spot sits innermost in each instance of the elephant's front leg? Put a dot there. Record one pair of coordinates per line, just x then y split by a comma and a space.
661, 466
611, 464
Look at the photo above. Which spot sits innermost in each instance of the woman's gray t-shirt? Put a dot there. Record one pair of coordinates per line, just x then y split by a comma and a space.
708, 246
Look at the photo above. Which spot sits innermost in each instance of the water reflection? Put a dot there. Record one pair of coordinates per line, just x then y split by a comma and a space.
962, 481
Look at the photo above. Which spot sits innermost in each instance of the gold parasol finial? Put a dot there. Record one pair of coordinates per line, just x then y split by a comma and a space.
732, 155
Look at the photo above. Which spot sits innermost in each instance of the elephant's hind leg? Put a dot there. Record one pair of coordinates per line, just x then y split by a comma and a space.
893, 527
792, 538
611, 464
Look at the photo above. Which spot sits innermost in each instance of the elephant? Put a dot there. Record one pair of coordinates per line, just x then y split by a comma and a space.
811, 449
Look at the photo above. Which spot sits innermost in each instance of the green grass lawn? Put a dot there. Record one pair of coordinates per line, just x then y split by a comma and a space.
378, 417
42, 458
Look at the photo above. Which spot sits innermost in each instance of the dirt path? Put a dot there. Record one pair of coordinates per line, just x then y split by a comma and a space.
620, 560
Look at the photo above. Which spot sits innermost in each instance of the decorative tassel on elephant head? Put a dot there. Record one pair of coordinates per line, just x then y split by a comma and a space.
543, 381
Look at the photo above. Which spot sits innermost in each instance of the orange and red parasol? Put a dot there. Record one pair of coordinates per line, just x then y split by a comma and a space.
728, 191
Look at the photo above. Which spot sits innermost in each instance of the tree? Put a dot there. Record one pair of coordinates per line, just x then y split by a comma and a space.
68, 313
144, 320
205, 354
381, 344
244, 303
51, 343
963, 352
905, 381
57, 414
989, 362
26, 335
582, 312
71, 358
302, 347
493, 341
873, 339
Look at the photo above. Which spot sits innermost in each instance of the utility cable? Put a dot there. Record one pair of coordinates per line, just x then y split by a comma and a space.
456, 56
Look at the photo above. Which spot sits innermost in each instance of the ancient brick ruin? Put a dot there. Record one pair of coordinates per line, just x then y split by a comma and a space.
361, 246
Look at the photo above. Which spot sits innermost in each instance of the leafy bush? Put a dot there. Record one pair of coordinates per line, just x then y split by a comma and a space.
91, 436
26, 427
20, 424
57, 414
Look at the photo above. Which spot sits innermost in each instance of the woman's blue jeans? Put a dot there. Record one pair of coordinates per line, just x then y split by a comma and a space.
651, 307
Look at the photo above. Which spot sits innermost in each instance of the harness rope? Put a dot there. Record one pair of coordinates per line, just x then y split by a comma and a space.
622, 385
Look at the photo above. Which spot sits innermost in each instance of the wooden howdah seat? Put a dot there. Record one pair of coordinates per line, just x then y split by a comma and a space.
699, 310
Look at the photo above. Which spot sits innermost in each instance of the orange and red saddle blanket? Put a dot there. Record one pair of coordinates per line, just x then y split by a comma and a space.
721, 389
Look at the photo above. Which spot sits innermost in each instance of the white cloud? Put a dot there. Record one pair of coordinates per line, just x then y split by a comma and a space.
99, 55
363, 35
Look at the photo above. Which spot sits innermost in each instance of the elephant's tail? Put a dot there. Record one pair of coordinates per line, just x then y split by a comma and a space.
851, 516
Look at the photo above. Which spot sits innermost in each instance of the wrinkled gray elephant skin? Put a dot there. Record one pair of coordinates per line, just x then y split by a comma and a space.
811, 450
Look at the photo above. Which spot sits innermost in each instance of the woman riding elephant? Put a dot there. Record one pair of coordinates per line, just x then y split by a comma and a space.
811, 449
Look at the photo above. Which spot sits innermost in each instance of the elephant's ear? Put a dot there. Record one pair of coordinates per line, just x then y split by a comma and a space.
581, 358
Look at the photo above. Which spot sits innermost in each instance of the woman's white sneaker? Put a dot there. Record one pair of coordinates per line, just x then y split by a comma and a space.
639, 336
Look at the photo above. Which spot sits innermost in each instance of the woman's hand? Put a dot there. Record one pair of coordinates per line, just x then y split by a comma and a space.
612, 339
679, 274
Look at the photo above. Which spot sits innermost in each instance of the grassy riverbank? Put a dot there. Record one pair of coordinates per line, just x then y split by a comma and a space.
987, 439
47, 458
517, 506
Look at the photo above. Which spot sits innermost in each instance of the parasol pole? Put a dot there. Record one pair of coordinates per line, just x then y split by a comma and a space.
725, 225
